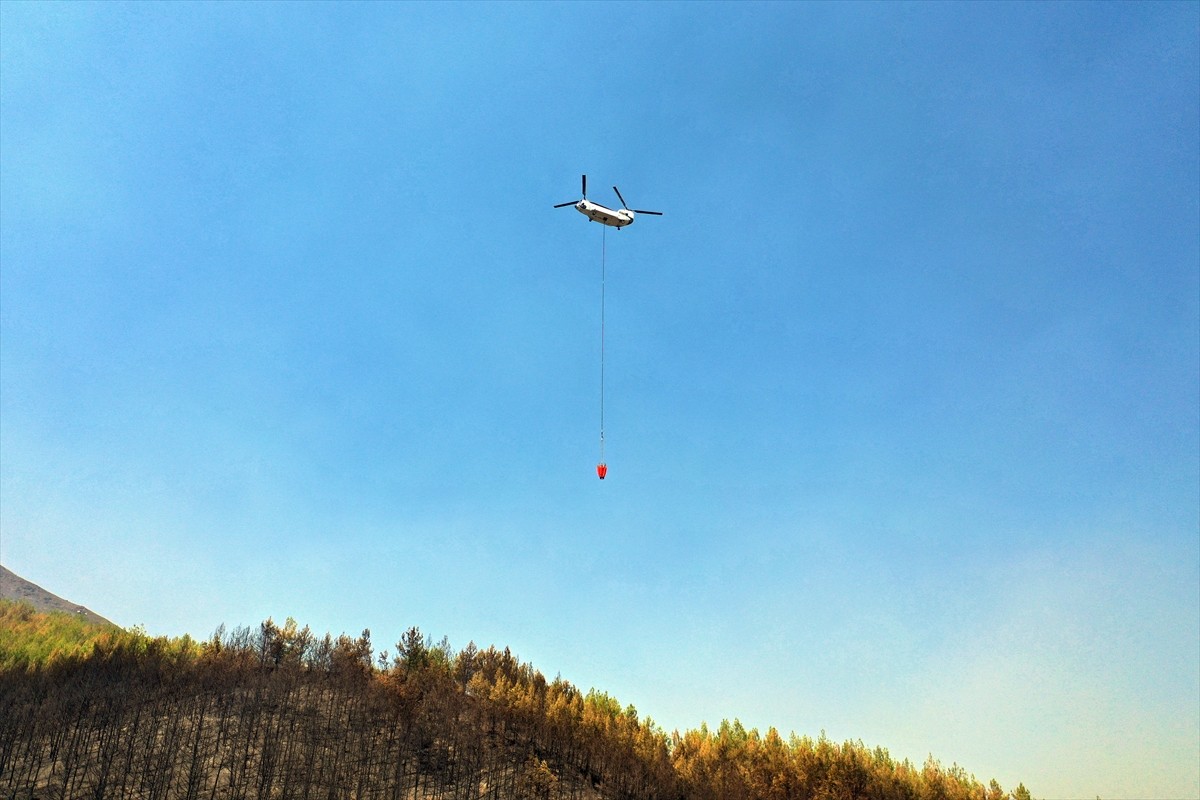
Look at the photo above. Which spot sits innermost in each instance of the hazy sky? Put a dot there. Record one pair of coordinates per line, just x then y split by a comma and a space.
903, 406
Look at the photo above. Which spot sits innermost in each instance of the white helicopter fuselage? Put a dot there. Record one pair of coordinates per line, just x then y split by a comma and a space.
617, 218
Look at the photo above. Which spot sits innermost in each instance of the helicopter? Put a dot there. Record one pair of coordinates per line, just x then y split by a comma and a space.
616, 218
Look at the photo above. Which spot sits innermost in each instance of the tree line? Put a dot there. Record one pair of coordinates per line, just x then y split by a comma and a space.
275, 711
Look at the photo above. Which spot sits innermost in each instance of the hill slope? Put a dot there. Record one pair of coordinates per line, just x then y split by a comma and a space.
14, 587
278, 712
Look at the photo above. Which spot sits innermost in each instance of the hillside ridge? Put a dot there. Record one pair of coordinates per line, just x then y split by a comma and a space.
277, 711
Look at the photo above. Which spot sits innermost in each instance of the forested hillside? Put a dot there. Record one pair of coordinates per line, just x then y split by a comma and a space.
277, 712
29, 637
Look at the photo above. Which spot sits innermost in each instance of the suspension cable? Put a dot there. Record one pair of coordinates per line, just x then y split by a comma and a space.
603, 232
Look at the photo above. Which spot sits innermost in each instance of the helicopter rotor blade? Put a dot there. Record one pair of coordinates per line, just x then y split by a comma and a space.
585, 187
564, 205
622, 199
639, 211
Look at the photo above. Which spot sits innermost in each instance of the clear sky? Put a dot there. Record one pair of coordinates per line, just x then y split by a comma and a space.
903, 406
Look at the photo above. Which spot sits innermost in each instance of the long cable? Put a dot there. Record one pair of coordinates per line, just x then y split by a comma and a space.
603, 232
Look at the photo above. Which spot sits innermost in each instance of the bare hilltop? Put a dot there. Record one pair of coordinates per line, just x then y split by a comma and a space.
14, 587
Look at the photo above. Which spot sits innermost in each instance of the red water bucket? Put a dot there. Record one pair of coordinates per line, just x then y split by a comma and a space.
601, 470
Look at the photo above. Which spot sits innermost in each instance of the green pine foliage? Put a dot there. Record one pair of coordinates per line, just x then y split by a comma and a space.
275, 711
29, 637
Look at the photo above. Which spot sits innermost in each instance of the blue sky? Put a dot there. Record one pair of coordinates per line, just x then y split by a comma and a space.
902, 409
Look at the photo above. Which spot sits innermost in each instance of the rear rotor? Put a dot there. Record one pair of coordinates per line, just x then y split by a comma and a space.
634, 210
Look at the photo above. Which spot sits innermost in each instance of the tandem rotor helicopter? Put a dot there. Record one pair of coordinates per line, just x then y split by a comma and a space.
614, 217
